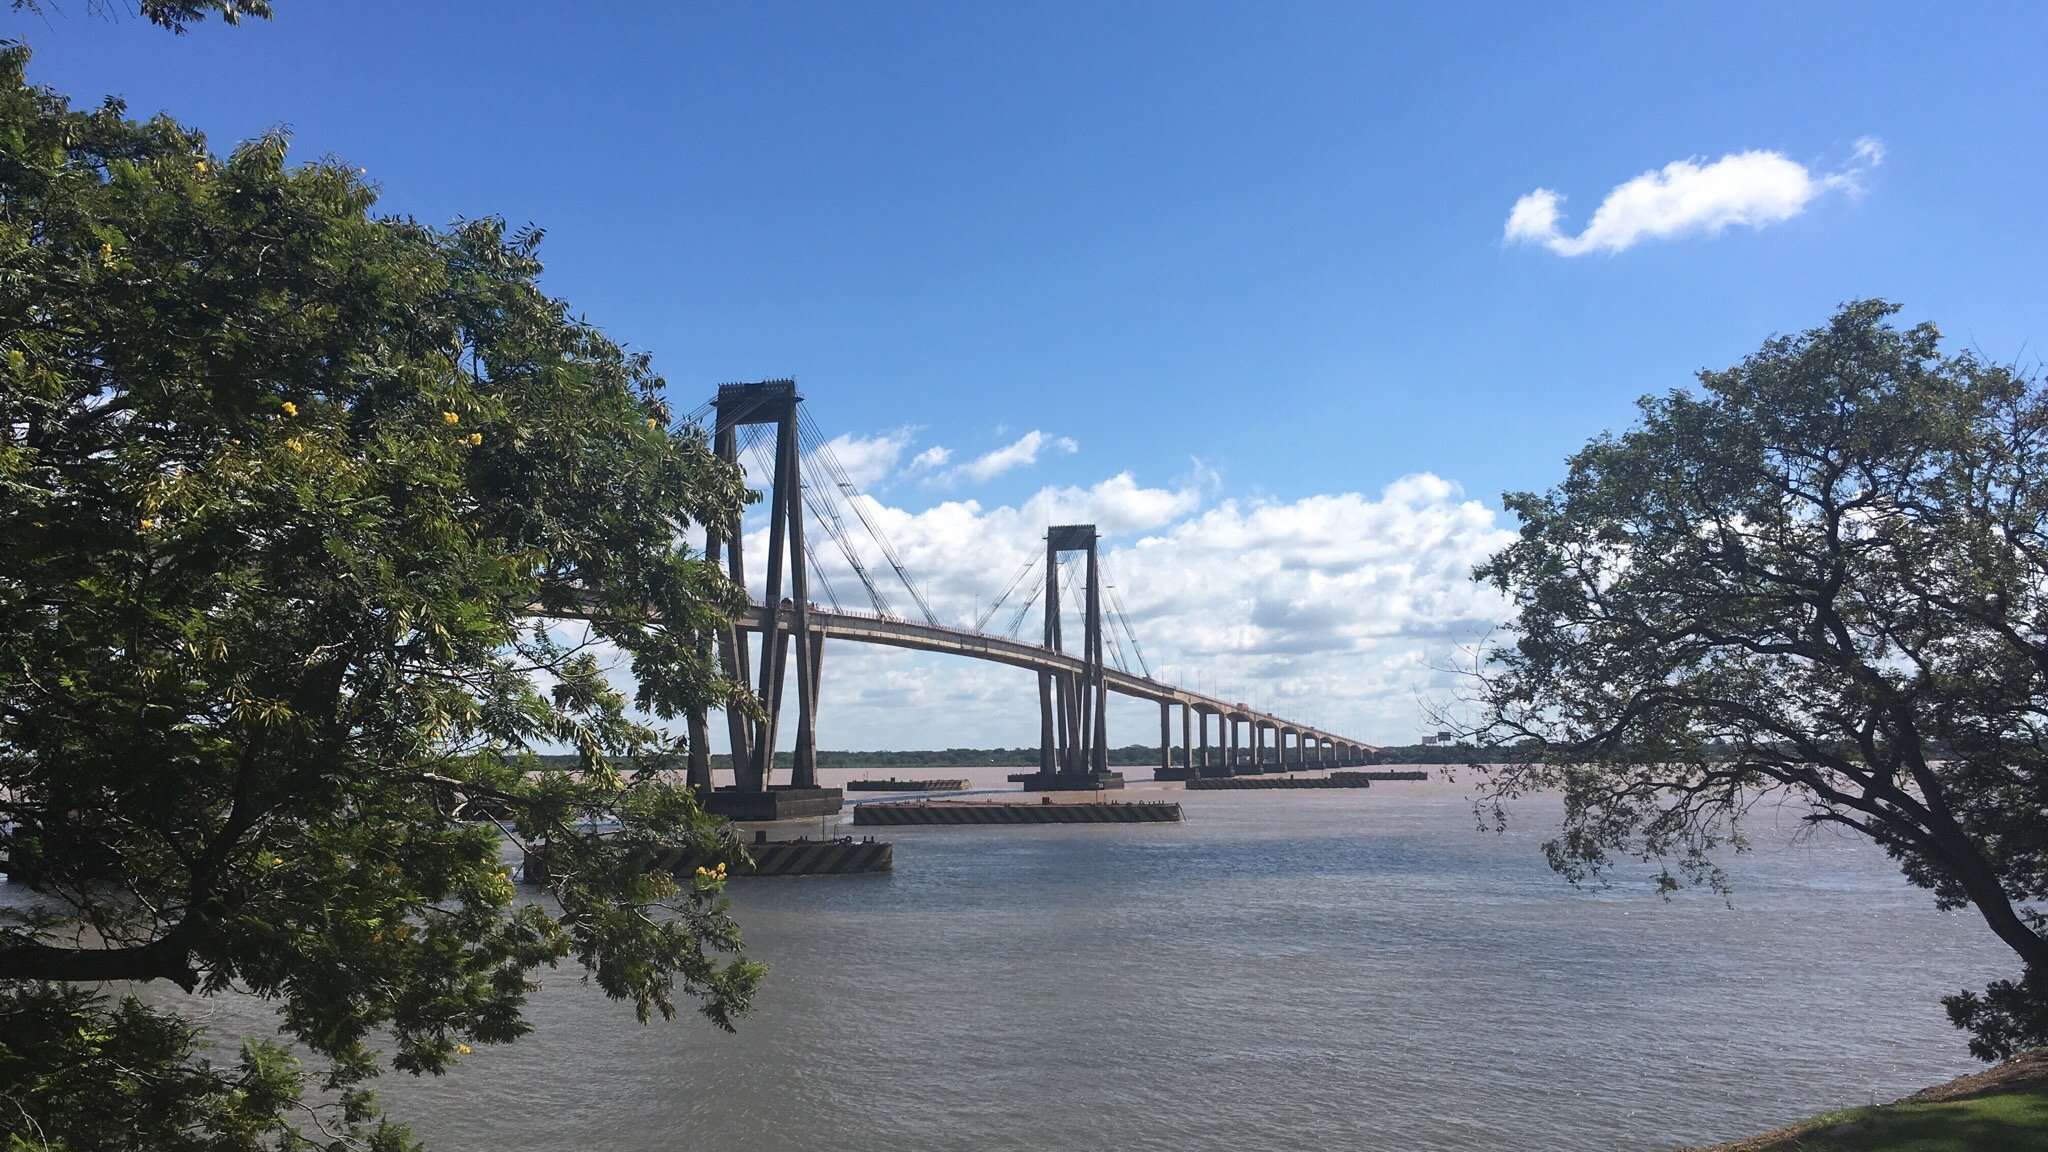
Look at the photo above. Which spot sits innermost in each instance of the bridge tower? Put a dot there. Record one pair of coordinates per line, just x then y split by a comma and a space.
1073, 727
784, 623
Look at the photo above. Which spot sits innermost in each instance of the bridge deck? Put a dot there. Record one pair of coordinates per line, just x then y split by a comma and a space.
1019, 654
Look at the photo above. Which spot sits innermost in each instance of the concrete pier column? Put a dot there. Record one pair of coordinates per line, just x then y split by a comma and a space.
1187, 743
1165, 738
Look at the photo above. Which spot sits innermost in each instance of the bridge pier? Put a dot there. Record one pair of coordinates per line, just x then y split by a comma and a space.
1187, 744
753, 796
1187, 769
1165, 740
1073, 724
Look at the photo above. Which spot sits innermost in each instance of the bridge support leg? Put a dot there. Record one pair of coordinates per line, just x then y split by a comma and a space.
722, 545
1212, 759
1168, 769
1047, 749
698, 733
1187, 743
804, 762
1165, 739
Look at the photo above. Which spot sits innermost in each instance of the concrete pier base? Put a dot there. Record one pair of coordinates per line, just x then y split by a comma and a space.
1046, 811
1072, 781
774, 804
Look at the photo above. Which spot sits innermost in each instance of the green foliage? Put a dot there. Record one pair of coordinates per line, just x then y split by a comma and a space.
176, 15
2007, 1121
1825, 576
283, 485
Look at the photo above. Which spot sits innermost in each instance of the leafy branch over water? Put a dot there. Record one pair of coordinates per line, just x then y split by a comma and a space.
1824, 574
280, 483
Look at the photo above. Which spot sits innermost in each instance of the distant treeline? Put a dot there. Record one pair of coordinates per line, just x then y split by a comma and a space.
1128, 756
1448, 754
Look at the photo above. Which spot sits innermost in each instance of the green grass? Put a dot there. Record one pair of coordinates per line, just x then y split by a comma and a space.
2007, 1122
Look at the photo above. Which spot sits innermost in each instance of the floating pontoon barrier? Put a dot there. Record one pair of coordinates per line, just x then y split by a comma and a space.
1047, 811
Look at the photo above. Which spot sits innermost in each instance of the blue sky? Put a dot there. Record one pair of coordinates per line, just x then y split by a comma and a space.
1253, 256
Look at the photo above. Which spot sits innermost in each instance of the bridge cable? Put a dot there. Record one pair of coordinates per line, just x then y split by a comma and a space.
829, 459
1072, 575
989, 613
823, 450
818, 499
821, 498
1112, 648
818, 570
1123, 619
1023, 610
749, 445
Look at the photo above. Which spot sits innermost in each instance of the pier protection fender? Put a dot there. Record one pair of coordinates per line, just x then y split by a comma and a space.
902, 812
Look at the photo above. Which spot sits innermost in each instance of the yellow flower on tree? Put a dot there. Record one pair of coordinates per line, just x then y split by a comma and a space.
475, 438
291, 409
450, 419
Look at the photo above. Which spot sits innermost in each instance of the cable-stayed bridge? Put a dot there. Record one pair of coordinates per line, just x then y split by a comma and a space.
764, 424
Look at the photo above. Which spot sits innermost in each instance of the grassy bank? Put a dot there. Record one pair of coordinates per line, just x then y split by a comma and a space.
2002, 1109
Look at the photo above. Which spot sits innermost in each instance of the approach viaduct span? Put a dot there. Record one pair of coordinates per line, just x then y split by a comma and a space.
1294, 745
1073, 685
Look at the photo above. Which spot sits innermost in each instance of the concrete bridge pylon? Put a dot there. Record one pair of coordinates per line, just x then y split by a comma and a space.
756, 648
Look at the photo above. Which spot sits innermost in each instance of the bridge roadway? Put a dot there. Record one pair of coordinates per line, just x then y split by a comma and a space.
867, 629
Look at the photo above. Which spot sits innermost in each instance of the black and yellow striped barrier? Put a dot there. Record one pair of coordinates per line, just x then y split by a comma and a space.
841, 857
1247, 783
898, 812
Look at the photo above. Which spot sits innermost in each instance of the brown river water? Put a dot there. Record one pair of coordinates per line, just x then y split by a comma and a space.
1285, 970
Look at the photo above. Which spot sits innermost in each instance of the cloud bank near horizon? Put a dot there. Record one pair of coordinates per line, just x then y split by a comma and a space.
1688, 198
1341, 609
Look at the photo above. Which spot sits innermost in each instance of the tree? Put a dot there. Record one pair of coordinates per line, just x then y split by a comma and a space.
175, 15
1823, 576
282, 486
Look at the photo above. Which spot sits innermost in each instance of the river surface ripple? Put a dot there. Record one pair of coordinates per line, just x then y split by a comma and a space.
1286, 970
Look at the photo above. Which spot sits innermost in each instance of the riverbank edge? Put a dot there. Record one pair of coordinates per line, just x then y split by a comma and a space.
2025, 1075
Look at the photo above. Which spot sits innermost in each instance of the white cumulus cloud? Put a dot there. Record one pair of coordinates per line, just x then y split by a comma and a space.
1341, 609
1020, 453
1688, 197
932, 457
867, 460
